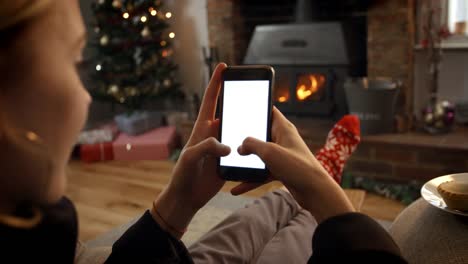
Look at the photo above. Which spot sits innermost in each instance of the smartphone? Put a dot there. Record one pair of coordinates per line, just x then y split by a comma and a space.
245, 111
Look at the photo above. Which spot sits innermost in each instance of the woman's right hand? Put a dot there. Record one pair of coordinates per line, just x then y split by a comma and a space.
290, 161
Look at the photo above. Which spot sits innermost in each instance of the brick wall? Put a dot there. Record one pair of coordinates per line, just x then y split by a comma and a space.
404, 163
224, 22
390, 45
397, 157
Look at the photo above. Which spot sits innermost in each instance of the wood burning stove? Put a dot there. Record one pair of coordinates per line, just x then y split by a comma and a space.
311, 63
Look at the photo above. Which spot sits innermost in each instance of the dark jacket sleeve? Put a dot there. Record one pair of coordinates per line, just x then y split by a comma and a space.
147, 242
355, 238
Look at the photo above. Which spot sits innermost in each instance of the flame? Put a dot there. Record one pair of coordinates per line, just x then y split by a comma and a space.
282, 99
303, 92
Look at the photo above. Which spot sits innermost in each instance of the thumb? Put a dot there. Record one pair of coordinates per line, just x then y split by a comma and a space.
208, 147
252, 145
278, 160
265, 150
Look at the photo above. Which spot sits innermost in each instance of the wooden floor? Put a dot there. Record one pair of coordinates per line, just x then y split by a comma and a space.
110, 194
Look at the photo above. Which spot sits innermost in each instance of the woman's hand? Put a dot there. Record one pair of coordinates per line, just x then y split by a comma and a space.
290, 161
195, 179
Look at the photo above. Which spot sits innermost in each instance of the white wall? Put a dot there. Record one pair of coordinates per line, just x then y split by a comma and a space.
190, 23
453, 78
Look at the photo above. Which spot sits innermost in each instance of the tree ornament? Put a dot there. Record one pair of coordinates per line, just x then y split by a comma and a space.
429, 118
113, 89
439, 117
97, 29
145, 32
116, 4
104, 40
136, 20
167, 83
137, 56
133, 91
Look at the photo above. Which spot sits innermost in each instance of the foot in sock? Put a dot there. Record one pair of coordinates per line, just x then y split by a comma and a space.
341, 142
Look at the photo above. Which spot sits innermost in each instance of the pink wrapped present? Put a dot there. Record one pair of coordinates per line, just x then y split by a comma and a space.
156, 144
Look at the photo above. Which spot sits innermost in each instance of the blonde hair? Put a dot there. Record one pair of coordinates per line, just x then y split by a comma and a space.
14, 12
21, 145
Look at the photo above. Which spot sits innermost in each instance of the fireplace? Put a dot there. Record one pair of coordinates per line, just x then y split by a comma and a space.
304, 90
383, 44
310, 66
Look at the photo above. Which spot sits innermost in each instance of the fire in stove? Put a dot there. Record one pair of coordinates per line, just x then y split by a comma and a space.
309, 86
282, 99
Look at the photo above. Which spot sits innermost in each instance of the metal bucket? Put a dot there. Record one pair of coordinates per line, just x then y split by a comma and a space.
373, 101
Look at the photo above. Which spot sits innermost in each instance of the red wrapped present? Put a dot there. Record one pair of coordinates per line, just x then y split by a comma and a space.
156, 144
96, 152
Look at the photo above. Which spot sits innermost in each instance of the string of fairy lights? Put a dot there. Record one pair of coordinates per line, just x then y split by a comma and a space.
152, 11
136, 12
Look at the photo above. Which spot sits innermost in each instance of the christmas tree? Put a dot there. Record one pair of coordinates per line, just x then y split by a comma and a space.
132, 62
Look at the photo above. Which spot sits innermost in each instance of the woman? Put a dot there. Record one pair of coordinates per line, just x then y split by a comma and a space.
43, 107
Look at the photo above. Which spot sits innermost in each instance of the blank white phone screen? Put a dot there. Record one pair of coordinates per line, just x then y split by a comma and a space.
245, 114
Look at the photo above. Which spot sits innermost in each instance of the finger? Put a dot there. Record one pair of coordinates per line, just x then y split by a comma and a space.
202, 131
208, 147
279, 123
215, 128
208, 105
277, 115
247, 186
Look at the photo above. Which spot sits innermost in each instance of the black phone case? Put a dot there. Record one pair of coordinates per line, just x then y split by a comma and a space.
251, 72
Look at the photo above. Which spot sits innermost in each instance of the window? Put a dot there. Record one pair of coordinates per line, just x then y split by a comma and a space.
457, 17
449, 14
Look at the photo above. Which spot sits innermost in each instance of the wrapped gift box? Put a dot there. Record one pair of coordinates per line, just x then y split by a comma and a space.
156, 144
138, 122
96, 152
102, 134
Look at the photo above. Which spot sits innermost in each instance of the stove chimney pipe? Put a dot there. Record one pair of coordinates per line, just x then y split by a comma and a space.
305, 11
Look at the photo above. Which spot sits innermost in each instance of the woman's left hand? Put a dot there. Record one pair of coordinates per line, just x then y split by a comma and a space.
195, 179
